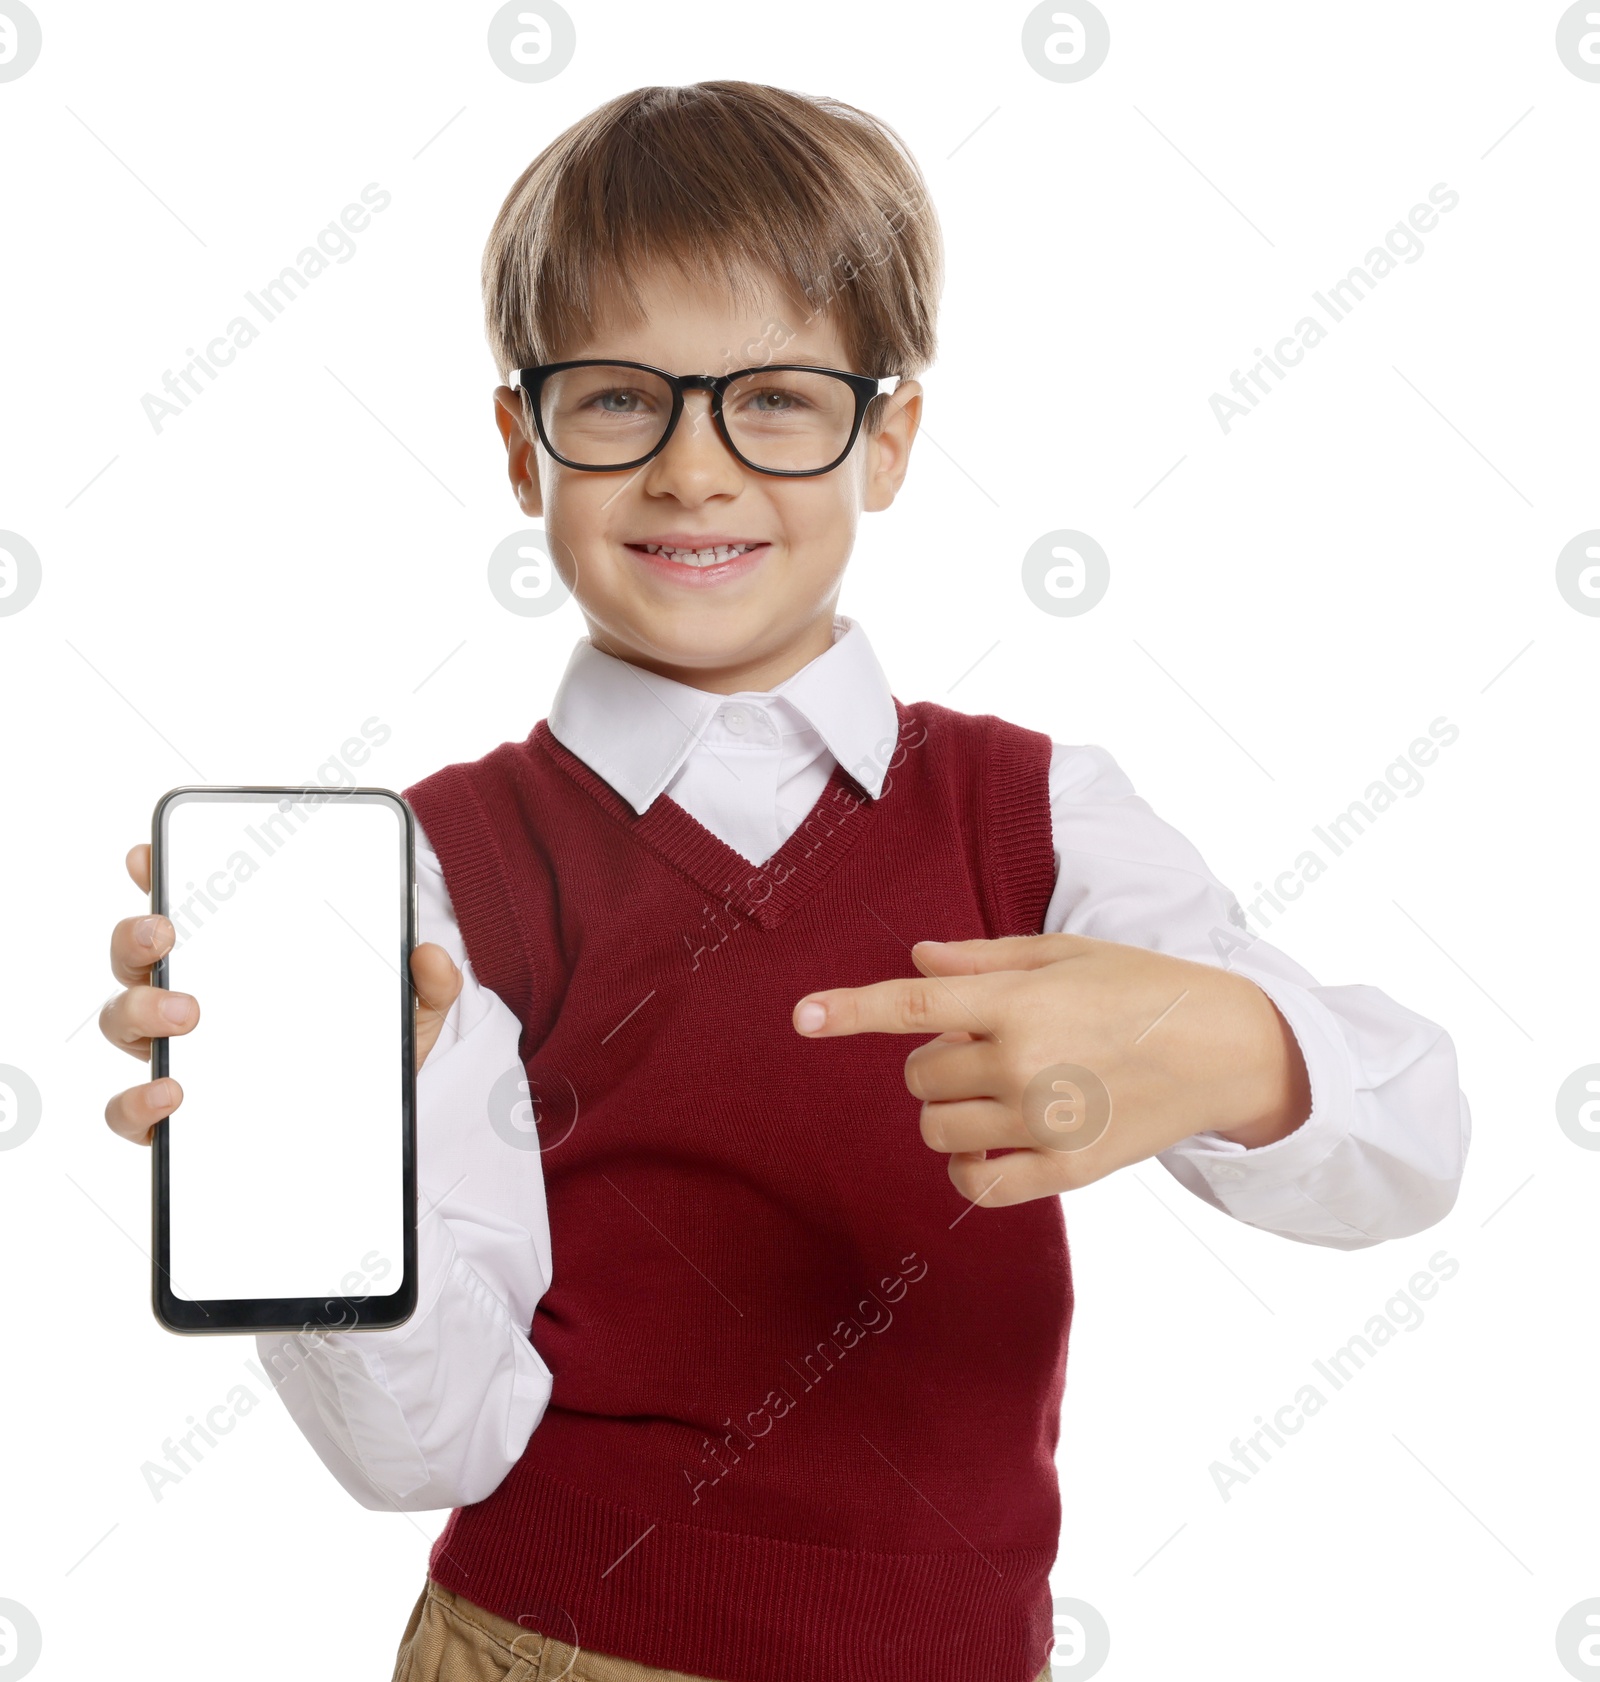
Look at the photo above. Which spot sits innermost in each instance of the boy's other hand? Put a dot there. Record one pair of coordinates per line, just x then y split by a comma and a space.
1118, 1052
139, 1013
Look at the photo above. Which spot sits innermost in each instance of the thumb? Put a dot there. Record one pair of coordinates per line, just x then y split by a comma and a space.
978, 957
438, 985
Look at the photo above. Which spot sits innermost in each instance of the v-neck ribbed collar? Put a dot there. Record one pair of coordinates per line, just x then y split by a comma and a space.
764, 893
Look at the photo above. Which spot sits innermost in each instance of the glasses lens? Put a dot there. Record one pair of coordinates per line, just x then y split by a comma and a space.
788, 419
604, 415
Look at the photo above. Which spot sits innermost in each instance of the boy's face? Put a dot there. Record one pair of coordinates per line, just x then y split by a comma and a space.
756, 622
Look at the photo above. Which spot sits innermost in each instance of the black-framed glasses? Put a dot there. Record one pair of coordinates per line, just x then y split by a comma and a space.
789, 418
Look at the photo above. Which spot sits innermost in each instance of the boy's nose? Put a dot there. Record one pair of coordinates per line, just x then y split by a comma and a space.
695, 459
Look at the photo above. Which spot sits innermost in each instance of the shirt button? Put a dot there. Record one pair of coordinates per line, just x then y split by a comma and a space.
736, 720
1221, 1172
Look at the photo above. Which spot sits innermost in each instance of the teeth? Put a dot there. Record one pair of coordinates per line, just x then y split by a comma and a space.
699, 557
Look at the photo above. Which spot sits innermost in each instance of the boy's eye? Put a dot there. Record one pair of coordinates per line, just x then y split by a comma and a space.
773, 400
619, 402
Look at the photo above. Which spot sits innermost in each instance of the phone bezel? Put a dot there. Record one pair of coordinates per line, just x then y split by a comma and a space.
309, 1315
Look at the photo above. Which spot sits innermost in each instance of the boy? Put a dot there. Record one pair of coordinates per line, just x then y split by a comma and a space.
788, 1407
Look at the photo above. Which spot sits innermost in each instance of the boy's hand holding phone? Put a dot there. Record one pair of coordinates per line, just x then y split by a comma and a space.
1144, 1049
139, 1013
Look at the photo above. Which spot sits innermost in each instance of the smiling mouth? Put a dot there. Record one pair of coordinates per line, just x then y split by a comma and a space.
712, 556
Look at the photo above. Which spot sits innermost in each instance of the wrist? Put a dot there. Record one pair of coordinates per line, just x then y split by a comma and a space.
1273, 1095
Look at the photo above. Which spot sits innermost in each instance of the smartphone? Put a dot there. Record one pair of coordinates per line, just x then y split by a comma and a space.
284, 1185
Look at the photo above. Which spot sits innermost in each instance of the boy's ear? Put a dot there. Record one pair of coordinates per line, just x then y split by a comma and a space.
522, 465
889, 448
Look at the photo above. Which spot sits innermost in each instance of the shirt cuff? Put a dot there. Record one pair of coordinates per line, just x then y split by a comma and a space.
1264, 1185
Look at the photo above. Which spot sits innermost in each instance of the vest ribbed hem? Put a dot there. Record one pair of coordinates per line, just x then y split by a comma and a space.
705, 1601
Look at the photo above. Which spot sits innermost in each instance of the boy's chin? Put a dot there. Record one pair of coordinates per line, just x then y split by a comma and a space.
712, 639
709, 635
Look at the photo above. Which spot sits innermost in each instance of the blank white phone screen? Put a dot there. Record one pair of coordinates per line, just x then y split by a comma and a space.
285, 1156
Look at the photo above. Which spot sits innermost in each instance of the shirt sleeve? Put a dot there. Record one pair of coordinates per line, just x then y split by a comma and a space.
435, 1412
1382, 1151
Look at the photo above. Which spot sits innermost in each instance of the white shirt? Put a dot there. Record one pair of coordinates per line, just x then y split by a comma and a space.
434, 1413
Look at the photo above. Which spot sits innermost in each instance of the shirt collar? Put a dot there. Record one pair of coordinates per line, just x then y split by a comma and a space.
635, 728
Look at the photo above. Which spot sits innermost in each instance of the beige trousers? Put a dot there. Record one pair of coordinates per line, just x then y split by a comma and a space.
448, 1639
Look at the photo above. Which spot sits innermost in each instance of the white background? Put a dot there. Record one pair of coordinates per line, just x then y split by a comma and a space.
1372, 548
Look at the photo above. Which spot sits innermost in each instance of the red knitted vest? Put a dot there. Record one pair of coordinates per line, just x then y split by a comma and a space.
806, 1400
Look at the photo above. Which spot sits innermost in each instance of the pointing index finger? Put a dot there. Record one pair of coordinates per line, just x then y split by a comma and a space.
911, 1005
